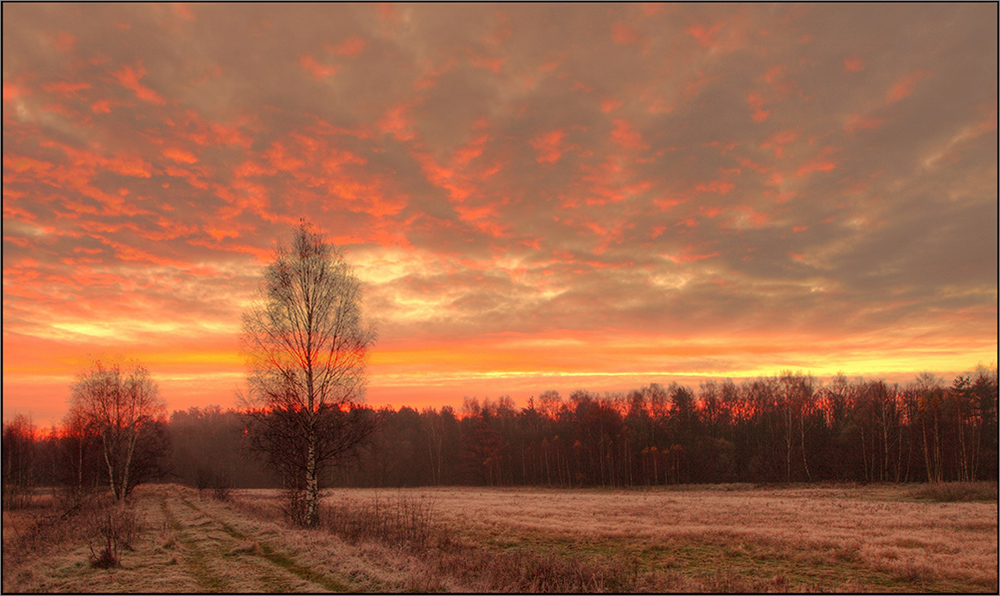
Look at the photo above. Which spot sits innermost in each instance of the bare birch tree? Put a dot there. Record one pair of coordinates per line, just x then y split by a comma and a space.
306, 348
118, 400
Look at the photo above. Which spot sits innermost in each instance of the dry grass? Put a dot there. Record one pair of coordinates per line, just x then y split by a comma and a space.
695, 539
874, 538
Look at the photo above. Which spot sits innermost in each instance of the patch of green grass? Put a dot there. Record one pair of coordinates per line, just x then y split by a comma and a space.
305, 573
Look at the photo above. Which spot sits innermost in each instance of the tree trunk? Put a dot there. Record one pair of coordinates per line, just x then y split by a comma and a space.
111, 469
311, 517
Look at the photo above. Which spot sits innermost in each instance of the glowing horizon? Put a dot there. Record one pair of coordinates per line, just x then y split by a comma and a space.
534, 196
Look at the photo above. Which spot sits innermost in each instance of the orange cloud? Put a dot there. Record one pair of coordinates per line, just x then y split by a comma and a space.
756, 102
778, 140
820, 163
317, 70
854, 64
180, 155
626, 136
129, 165
857, 122
715, 186
398, 122
704, 36
350, 47
904, 86
549, 146
623, 34
65, 88
129, 78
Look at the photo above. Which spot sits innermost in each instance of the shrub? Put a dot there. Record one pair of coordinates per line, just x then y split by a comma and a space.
403, 521
112, 529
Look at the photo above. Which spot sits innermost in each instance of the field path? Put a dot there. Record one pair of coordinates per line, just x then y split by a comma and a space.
223, 555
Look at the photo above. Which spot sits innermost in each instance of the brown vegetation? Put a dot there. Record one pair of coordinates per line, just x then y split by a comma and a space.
722, 538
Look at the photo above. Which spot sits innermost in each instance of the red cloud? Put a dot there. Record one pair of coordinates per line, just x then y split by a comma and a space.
858, 122
491, 64
129, 79
350, 47
778, 140
64, 41
623, 34
65, 88
317, 70
609, 105
715, 186
398, 122
10, 91
128, 165
904, 86
182, 10
101, 107
21, 164
756, 102
705, 37
180, 155
626, 136
548, 146
854, 64
820, 163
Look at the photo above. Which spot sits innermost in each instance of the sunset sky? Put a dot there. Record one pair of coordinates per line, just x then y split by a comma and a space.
535, 196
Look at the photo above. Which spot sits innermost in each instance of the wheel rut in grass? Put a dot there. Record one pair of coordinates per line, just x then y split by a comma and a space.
195, 556
281, 572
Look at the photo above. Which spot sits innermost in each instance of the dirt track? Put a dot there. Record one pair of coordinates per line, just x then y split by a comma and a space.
187, 544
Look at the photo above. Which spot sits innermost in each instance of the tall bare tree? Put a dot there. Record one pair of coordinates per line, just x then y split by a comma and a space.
118, 400
306, 348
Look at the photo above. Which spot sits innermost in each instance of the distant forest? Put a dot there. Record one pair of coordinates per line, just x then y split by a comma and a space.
786, 428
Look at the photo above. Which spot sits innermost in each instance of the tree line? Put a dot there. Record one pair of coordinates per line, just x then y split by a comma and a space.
784, 428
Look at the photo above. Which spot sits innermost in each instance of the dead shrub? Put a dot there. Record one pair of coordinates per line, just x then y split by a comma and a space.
403, 521
222, 487
113, 529
913, 572
295, 507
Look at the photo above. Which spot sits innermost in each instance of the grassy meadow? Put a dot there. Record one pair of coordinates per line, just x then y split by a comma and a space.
717, 538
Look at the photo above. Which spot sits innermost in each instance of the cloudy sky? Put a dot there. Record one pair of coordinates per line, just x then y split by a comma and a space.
536, 196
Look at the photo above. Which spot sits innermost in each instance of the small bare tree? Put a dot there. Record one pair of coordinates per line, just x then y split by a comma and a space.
306, 348
118, 400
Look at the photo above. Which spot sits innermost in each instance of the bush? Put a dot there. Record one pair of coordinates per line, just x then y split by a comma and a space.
112, 529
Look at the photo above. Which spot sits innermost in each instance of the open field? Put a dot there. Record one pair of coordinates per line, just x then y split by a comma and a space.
716, 539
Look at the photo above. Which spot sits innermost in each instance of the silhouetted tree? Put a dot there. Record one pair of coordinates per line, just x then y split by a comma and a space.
306, 348
19, 438
118, 401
